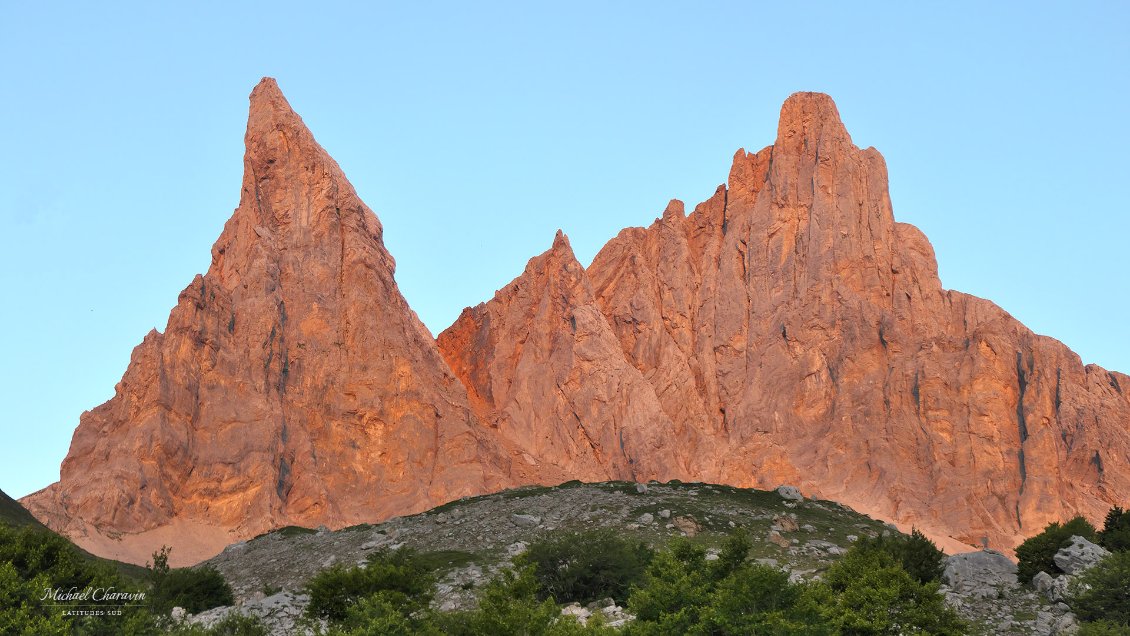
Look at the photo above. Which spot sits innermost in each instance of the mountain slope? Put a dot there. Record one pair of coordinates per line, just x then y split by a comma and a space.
293, 384
787, 331
794, 332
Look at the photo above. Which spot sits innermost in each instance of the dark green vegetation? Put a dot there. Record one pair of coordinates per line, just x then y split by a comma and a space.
33, 561
1103, 592
915, 553
1037, 553
587, 566
194, 589
1101, 595
399, 580
675, 591
13, 514
1115, 535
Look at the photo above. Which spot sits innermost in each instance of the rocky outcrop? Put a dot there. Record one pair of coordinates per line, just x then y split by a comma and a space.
788, 330
1079, 555
795, 332
543, 367
292, 386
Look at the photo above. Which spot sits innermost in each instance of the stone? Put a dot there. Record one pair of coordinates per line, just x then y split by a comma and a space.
786, 523
687, 525
178, 614
1079, 556
525, 521
1066, 624
641, 489
790, 493
665, 514
646, 518
982, 574
775, 537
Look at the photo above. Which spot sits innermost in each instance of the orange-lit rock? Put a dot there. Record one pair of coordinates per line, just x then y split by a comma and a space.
793, 324
788, 331
544, 368
293, 384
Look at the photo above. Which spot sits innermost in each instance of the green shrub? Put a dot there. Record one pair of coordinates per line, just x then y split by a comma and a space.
194, 589
683, 593
508, 605
398, 576
915, 553
1102, 628
1115, 535
1103, 592
1037, 554
873, 594
587, 566
32, 560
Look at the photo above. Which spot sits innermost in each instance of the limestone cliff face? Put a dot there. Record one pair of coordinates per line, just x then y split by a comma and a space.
788, 330
293, 384
544, 368
806, 335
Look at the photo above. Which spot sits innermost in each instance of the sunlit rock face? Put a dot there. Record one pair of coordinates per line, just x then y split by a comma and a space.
792, 331
788, 330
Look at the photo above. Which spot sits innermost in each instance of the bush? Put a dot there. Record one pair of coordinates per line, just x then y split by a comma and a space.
915, 553
194, 589
1115, 535
1102, 628
587, 566
1037, 553
234, 624
32, 560
398, 577
509, 605
873, 594
1103, 592
684, 593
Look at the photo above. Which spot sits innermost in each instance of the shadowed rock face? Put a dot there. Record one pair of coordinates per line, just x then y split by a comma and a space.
788, 330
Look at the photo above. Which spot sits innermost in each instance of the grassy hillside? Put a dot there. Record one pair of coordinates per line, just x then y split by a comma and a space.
13, 514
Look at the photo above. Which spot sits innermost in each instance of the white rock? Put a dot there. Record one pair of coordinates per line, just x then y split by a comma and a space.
790, 492
1079, 556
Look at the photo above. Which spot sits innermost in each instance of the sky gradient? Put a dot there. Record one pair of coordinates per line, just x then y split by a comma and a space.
475, 132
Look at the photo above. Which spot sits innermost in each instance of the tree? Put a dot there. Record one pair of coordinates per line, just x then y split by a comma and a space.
873, 594
917, 554
33, 560
398, 577
1115, 535
1037, 554
587, 566
1103, 592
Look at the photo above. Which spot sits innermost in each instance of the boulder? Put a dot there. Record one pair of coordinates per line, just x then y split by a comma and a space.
1080, 555
981, 574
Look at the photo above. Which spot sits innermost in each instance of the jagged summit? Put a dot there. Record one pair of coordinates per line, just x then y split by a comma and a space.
808, 119
788, 330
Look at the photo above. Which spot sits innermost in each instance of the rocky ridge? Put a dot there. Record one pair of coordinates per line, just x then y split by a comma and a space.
471, 540
787, 330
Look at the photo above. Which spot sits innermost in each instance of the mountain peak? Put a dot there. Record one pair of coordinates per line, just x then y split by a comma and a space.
809, 117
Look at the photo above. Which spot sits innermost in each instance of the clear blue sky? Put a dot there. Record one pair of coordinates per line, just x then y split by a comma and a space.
476, 131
